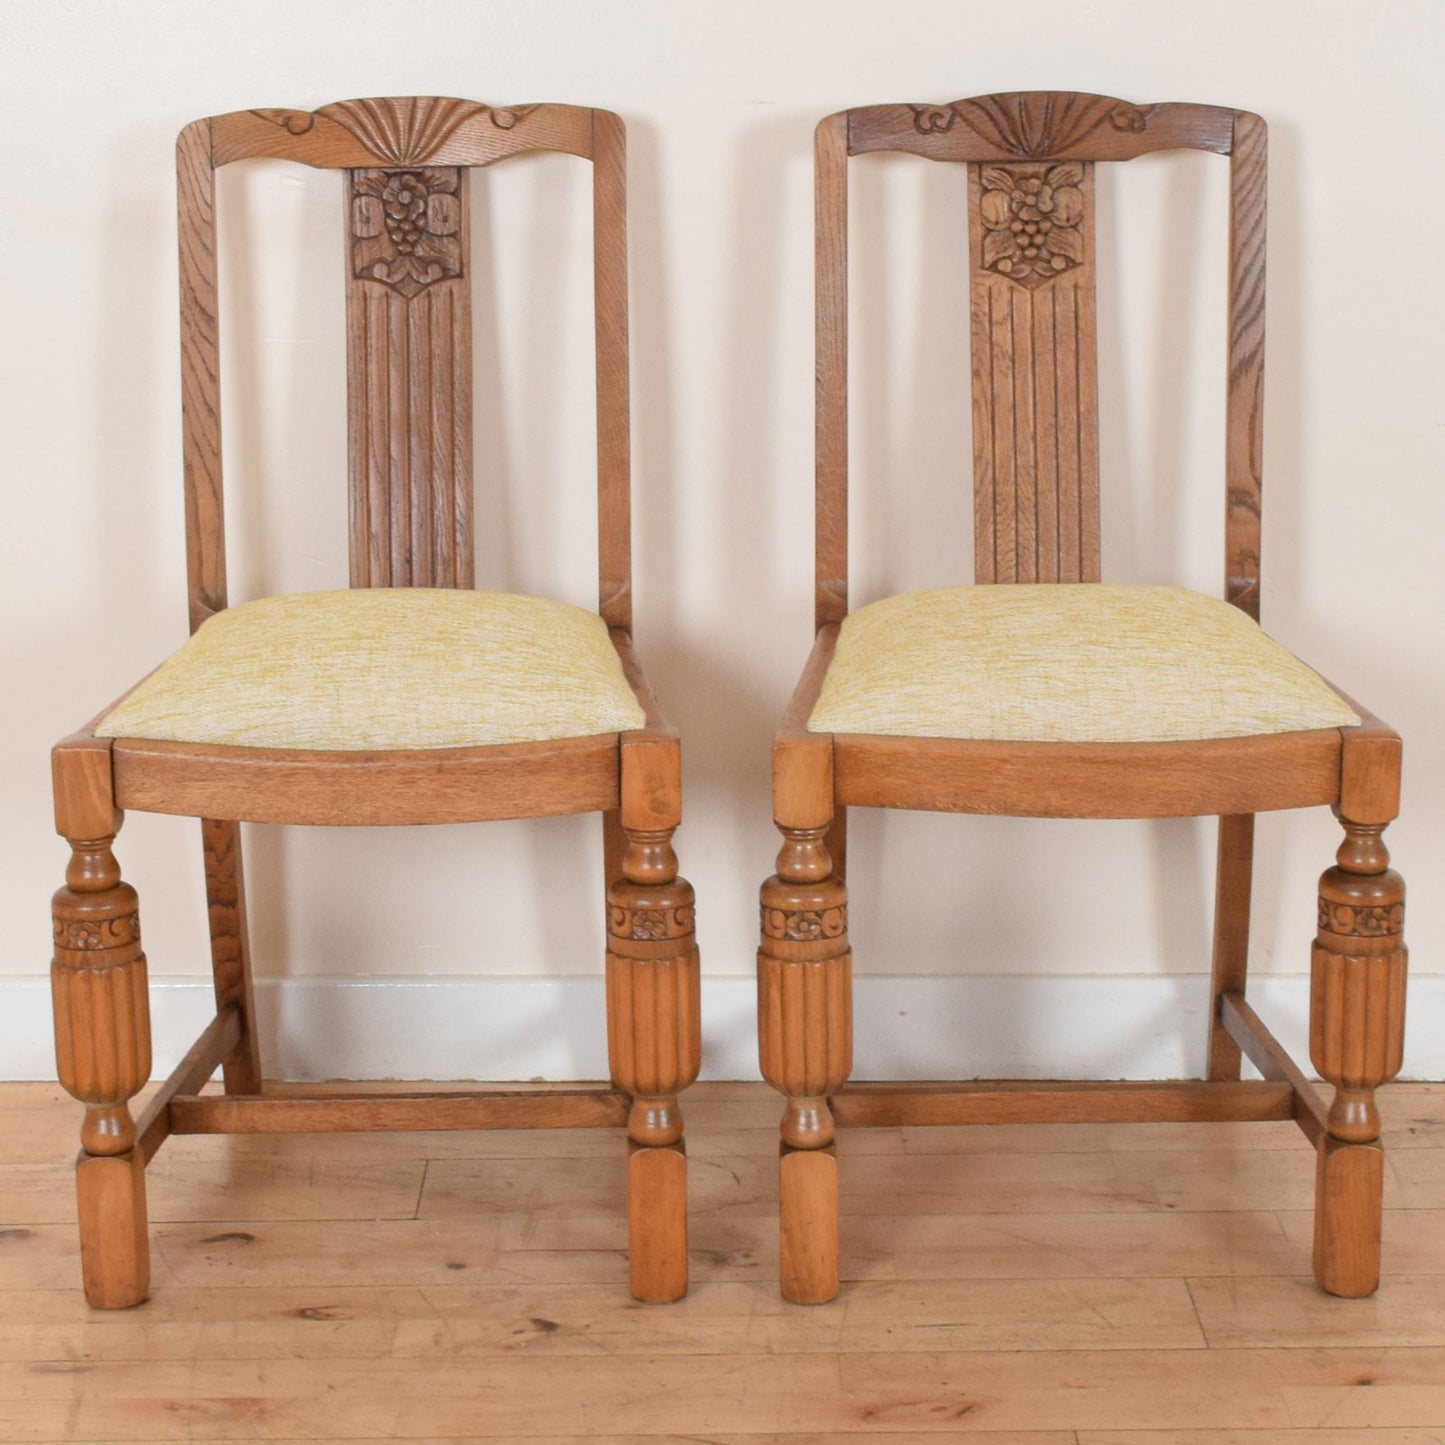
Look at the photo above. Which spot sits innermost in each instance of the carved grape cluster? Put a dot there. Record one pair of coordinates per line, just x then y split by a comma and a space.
406, 225
403, 203
1032, 220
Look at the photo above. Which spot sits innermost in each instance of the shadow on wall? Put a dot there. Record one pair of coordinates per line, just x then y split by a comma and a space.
126, 496
746, 539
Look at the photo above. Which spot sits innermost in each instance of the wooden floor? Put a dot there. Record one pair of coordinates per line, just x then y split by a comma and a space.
1015, 1285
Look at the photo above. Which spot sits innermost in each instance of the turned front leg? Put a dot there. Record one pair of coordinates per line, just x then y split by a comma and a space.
805, 1040
103, 1055
654, 1040
1357, 1032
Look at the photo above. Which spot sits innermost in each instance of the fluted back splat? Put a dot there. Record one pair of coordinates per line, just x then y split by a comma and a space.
1030, 160
406, 165
409, 377
1035, 393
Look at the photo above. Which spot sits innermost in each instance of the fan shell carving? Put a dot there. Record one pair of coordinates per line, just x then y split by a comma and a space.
1032, 124
397, 131
403, 132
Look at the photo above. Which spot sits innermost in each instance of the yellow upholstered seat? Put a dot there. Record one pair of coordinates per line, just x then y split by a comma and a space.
1066, 662
385, 668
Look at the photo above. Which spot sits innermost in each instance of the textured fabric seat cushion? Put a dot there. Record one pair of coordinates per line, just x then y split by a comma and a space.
385, 668
1066, 662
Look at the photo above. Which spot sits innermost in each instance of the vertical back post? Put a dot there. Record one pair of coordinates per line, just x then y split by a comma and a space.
200, 374
830, 602
614, 418
1244, 404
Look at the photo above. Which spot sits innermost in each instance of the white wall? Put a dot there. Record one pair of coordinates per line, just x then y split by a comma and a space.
720, 103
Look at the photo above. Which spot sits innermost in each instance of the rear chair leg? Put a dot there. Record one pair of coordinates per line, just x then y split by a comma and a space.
231, 950
103, 1053
1357, 1032
805, 1039
654, 1043
1232, 880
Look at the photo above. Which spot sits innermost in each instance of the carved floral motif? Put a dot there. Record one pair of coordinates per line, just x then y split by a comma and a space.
405, 227
1369, 922
650, 923
89, 935
1033, 220
807, 925
1032, 124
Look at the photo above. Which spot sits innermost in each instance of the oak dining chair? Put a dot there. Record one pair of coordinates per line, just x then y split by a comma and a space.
409, 697
1042, 691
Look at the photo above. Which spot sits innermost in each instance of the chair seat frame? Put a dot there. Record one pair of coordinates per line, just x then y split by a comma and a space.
410, 526
804, 962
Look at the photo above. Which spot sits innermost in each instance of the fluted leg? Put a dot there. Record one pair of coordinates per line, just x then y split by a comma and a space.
1357, 1029
805, 1039
103, 1053
654, 1038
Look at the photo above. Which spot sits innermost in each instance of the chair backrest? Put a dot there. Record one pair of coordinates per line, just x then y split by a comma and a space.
1030, 158
408, 324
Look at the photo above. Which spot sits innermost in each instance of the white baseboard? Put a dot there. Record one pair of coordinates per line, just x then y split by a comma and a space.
1129, 1027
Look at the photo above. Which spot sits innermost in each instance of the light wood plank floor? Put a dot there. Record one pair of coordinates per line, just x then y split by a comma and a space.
1015, 1285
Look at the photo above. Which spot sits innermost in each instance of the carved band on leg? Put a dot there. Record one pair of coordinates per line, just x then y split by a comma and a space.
654, 1043
805, 1043
103, 1057
1357, 1031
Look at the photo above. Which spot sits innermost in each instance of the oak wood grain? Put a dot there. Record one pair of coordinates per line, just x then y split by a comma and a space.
873, 1106
231, 951
400, 131
200, 373
409, 377
1370, 768
1244, 397
445, 785
1229, 966
1248, 1031
1035, 391
1032, 125
803, 760
217, 1042
1089, 780
84, 793
831, 367
294, 1114
614, 406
